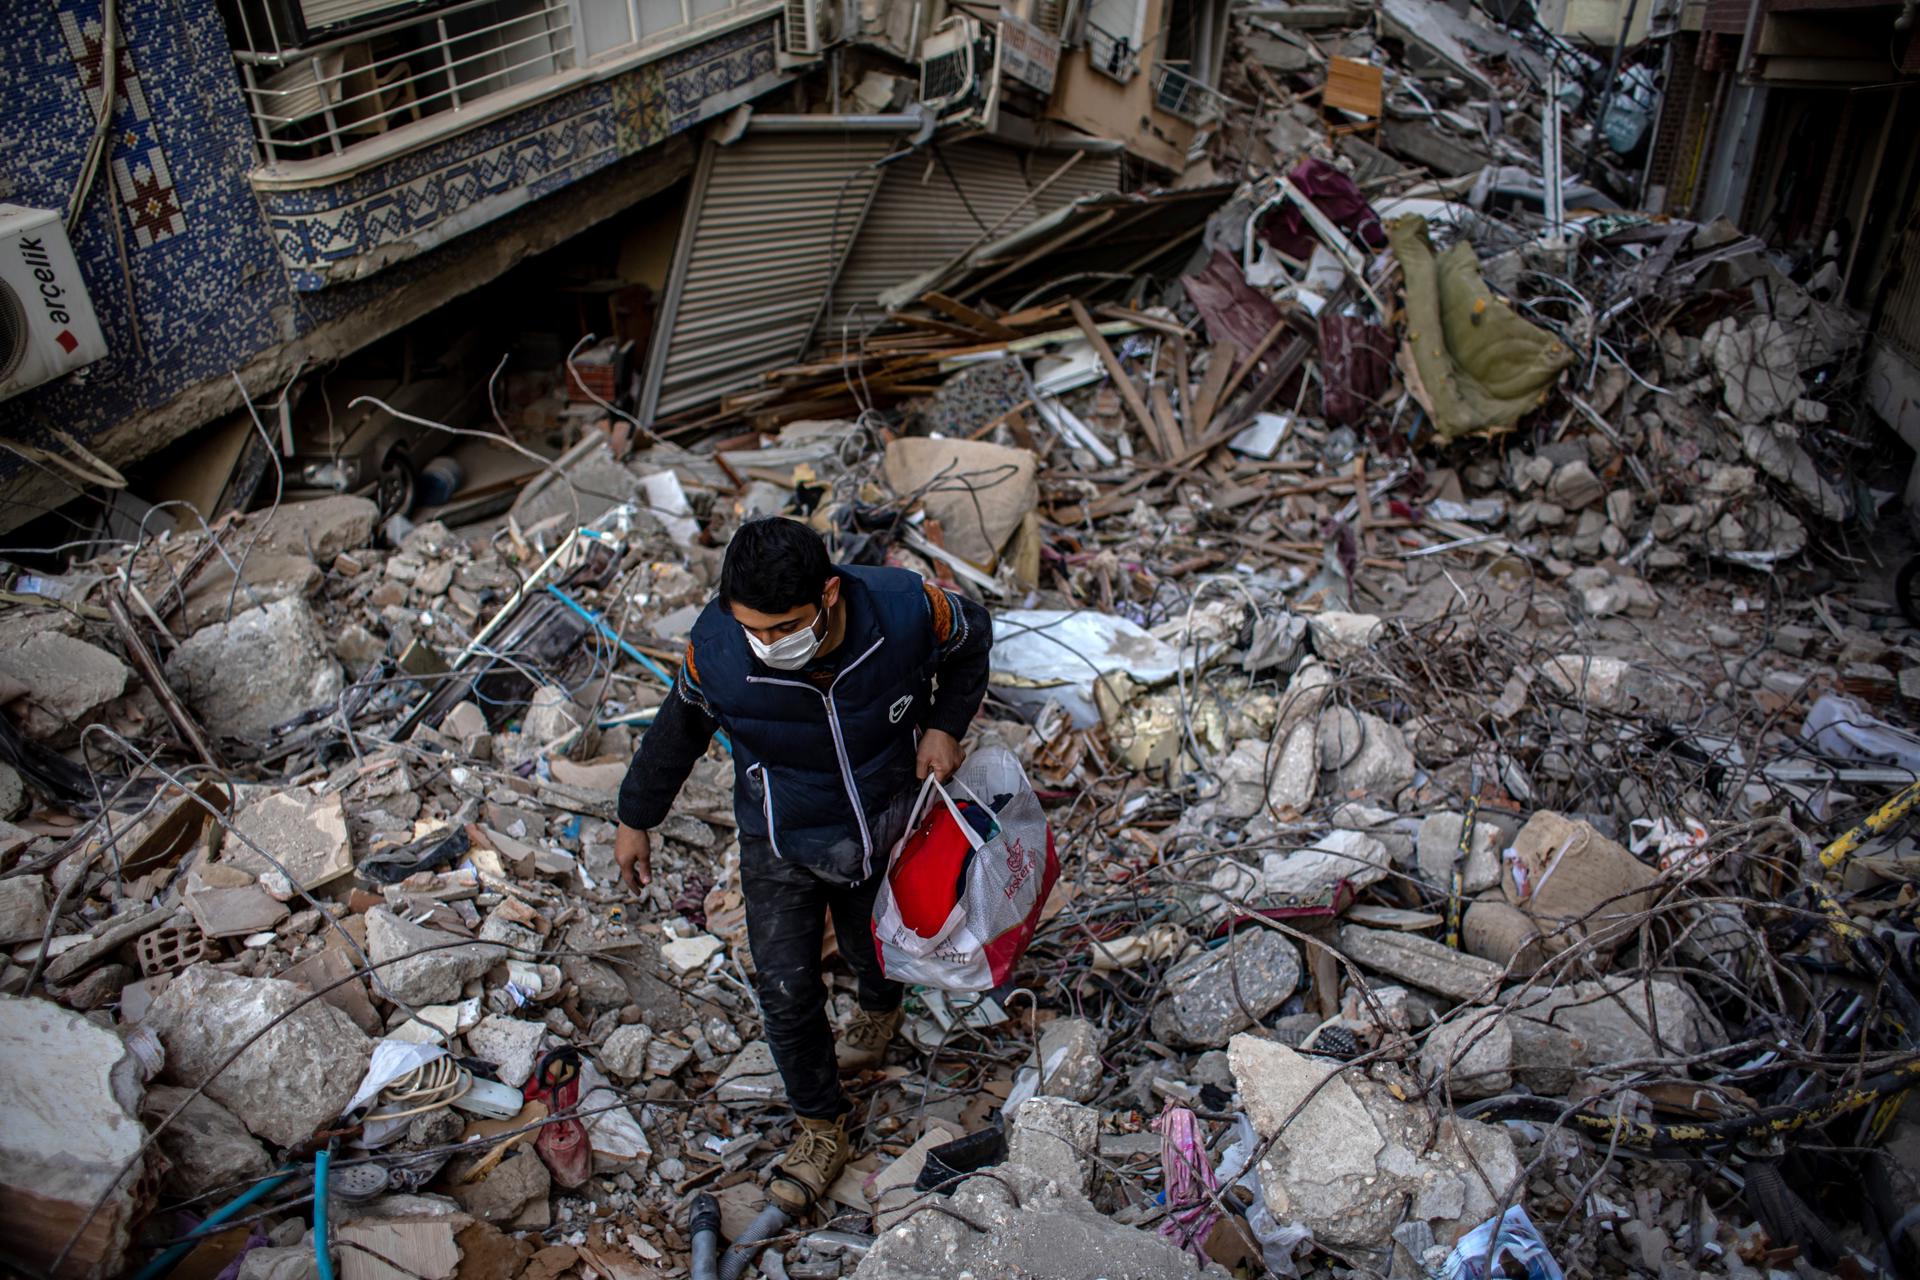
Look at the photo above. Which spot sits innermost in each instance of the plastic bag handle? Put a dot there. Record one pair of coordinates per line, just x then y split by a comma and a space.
920, 805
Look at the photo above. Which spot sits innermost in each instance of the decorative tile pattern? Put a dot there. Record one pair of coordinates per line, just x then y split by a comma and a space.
139, 165
421, 199
216, 274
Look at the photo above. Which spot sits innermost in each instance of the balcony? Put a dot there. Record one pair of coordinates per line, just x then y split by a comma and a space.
1112, 56
1179, 94
382, 141
323, 98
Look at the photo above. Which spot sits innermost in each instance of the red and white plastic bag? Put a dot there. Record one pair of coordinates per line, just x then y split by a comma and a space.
964, 887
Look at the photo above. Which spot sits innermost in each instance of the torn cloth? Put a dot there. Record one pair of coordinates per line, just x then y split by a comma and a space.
1192, 1188
1356, 364
1472, 362
1232, 310
1334, 194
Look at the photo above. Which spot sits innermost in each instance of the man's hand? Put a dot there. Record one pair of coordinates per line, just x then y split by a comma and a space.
633, 851
939, 755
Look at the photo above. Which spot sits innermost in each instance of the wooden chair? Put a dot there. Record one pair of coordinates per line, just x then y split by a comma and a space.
1353, 86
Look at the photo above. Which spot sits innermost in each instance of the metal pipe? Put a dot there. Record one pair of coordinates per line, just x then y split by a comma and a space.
771, 1222
705, 1229
851, 124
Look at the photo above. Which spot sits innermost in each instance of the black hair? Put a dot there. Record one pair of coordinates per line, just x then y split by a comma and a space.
774, 564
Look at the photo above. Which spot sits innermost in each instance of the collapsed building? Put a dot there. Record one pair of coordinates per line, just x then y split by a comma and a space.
1437, 474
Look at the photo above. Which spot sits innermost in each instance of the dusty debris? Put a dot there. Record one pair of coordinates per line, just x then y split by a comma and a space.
1434, 603
73, 1137
294, 1060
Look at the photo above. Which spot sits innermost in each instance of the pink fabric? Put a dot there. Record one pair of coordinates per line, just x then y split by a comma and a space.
1356, 363
1232, 310
1334, 194
1191, 1186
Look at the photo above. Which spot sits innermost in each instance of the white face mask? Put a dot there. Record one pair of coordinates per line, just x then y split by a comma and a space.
788, 653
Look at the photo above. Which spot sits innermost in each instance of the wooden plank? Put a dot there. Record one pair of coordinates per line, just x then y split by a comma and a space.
966, 315
1163, 414
942, 328
1182, 376
1219, 369
1118, 372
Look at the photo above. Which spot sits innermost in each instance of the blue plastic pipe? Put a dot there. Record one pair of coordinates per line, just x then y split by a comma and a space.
322, 1247
165, 1261
639, 657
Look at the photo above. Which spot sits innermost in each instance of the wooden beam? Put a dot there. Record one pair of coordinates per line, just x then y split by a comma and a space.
978, 321
1163, 414
1219, 369
1121, 381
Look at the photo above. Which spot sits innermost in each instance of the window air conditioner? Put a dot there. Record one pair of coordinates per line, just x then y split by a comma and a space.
47, 326
808, 27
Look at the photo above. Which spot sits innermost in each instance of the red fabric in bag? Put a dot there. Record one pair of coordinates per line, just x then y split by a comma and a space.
925, 878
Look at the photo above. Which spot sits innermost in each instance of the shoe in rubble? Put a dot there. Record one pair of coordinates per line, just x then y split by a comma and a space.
864, 1043
819, 1151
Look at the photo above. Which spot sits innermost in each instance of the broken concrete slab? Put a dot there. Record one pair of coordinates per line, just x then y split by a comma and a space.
1620, 1019
751, 1076
399, 1248
234, 912
306, 834
1421, 962
1339, 855
1361, 753
319, 529
66, 682
291, 1077
1070, 1065
71, 1096
207, 1147
1438, 846
976, 519
516, 1181
1341, 637
426, 968
624, 1053
1042, 1233
1482, 1052
511, 1044
1213, 994
1356, 1160
24, 901
331, 972
267, 666
1057, 1139
105, 940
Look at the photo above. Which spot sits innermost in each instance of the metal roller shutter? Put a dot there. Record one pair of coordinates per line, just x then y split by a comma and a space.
930, 209
769, 220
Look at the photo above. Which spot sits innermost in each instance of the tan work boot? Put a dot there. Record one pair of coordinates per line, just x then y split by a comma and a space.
864, 1043
819, 1152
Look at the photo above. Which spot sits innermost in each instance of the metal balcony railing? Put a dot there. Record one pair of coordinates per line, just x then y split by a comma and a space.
1177, 93
1112, 55
322, 99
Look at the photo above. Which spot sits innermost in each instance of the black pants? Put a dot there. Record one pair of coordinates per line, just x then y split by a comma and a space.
787, 909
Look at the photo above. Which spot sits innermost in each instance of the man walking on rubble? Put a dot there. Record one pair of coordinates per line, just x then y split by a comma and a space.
841, 687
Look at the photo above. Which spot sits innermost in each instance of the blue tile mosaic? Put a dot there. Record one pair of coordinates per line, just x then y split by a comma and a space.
195, 273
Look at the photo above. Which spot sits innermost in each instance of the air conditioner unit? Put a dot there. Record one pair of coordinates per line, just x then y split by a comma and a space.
807, 27
47, 326
960, 72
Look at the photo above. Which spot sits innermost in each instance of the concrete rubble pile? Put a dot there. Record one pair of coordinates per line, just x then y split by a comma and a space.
1434, 619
